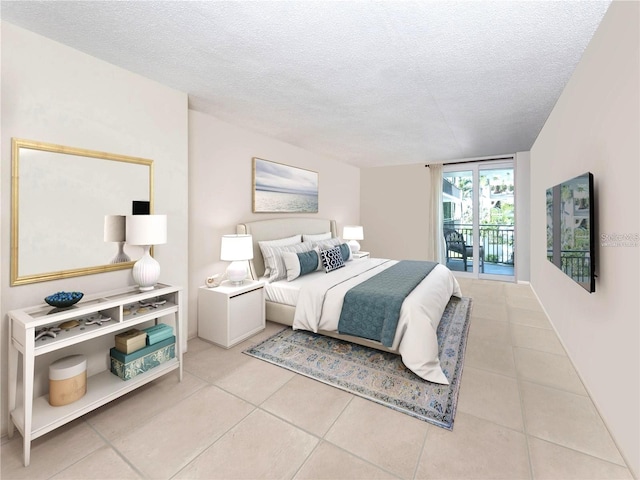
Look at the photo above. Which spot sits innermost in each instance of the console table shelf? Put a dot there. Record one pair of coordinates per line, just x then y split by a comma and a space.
35, 417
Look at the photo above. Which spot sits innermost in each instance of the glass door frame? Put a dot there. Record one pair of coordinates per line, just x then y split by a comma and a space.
475, 167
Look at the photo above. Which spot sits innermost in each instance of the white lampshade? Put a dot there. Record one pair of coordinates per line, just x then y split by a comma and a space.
353, 233
114, 228
146, 230
236, 249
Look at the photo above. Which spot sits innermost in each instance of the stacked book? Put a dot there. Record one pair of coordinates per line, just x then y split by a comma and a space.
131, 341
157, 333
158, 347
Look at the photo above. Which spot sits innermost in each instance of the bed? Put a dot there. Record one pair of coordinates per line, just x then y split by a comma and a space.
313, 302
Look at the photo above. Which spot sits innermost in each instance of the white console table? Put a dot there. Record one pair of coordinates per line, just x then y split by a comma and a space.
35, 417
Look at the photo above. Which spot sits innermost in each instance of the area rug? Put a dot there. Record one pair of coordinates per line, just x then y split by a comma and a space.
376, 375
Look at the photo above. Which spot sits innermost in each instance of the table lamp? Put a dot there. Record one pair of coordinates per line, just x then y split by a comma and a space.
236, 249
114, 231
146, 230
353, 233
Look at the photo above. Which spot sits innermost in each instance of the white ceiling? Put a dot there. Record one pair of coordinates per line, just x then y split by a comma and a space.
368, 83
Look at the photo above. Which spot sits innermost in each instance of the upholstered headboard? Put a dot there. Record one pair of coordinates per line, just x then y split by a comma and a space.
280, 228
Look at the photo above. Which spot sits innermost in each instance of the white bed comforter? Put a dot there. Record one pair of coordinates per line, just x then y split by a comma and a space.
320, 303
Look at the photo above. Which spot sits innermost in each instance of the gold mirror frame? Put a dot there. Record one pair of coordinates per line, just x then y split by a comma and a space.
18, 145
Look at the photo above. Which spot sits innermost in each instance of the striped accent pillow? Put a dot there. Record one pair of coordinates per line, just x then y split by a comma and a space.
273, 257
276, 243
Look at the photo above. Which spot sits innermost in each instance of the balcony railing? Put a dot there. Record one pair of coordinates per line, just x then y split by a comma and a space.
575, 263
496, 240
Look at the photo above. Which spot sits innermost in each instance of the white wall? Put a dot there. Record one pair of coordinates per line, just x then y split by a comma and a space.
595, 127
220, 183
55, 94
395, 205
394, 209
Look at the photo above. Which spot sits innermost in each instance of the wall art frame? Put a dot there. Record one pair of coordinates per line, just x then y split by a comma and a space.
280, 188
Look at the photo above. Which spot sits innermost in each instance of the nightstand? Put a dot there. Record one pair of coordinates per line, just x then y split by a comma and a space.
229, 314
360, 254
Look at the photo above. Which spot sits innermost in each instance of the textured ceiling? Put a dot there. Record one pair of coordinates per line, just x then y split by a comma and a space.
368, 83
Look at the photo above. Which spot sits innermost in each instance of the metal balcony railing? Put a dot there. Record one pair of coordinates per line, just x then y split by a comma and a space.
575, 263
497, 240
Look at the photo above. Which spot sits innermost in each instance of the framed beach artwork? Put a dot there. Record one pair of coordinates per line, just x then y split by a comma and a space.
279, 188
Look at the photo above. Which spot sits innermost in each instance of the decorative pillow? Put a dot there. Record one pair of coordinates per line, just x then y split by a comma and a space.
299, 264
276, 243
346, 252
328, 244
273, 256
332, 259
316, 237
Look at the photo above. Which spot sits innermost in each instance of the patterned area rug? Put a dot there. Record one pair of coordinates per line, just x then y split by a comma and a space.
375, 375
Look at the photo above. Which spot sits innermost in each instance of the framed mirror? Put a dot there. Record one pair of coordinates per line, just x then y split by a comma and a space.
59, 199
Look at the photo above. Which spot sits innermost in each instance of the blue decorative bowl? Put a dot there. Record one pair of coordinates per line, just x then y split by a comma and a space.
63, 299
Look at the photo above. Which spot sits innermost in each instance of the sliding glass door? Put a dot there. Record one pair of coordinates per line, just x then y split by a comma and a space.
478, 204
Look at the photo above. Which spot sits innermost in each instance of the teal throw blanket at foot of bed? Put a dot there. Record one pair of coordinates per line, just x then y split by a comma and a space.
372, 309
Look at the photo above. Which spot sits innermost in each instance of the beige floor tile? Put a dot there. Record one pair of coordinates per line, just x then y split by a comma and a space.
165, 445
567, 419
328, 462
518, 290
490, 396
489, 311
488, 293
197, 345
215, 362
491, 356
136, 408
102, 464
261, 446
553, 462
522, 316
308, 404
525, 303
548, 369
255, 381
483, 299
380, 435
490, 330
536, 338
50, 453
475, 449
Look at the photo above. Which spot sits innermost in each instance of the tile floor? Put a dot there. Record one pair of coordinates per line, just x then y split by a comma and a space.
522, 414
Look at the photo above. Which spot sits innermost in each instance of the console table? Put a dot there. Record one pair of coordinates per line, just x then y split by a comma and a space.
34, 417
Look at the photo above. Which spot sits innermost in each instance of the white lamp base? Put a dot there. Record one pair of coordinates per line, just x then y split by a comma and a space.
146, 271
120, 257
237, 272
354, 246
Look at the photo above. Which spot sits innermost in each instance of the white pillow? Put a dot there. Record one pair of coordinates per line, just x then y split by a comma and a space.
328, 243
276, 243
273, 255
301, 263
315, 237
